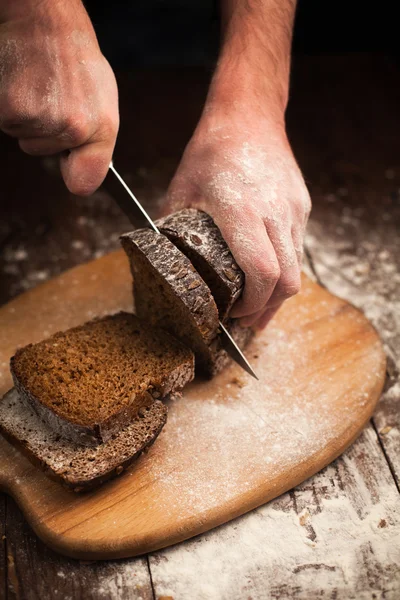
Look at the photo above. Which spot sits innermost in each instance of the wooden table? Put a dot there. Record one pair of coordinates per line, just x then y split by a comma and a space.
337, 535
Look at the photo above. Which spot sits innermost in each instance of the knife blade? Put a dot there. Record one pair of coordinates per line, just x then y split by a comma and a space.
127, 202
231, 347
135, 212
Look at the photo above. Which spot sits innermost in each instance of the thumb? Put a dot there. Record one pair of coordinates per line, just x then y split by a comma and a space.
84, 168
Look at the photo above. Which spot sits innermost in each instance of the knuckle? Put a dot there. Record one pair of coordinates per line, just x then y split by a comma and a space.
293, 288
307, 204
301, 200
12, 113
306, 199
110, 126
278, 212
289, 286
269, 270
74, 129
10, 102
300, 205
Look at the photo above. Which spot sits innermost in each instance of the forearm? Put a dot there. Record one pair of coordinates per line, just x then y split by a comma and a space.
21, 9
254, 62
238, 166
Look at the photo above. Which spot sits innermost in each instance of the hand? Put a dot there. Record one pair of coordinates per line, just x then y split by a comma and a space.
239, 168
57, 91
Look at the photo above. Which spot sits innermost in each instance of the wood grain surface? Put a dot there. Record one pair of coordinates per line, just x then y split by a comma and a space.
230, 444
343, 122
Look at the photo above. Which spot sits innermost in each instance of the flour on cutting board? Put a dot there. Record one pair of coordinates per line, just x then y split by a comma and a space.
255, 428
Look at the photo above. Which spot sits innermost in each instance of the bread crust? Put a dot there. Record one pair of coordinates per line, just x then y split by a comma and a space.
152, 421
197, 236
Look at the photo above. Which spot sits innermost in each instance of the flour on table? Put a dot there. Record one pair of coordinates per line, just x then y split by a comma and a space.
325, 545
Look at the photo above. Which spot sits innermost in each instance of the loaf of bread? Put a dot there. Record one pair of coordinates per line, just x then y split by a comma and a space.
197, 236
88, 382
185, 286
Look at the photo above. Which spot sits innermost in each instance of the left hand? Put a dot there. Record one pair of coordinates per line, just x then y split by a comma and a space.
239, 168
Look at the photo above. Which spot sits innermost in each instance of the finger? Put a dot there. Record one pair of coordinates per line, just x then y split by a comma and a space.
289, 282
64, 134
255, 255
267, 317
85, 168
20, 127
298, 243
252, 319
39, 125
37, 146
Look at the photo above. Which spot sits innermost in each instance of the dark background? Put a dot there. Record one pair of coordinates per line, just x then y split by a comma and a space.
179, 32
343, 123
346, 26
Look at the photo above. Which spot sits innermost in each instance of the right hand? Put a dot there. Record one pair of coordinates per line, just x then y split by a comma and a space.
57, 91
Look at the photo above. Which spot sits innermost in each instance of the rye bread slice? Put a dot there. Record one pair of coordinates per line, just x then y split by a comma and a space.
75, 465
197, 236
169, 293
88, 382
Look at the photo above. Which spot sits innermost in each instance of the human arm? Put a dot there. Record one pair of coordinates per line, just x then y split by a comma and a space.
57, 91
238, 165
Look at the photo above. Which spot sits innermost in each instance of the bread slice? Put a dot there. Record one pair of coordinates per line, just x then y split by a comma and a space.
88, 382
169, 293
196, 235
75, 465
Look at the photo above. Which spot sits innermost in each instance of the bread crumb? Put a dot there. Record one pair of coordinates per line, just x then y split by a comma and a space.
303, 519
382, 523
385, 430
239, 382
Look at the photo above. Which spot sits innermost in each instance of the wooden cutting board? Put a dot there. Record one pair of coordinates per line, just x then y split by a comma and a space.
229, 445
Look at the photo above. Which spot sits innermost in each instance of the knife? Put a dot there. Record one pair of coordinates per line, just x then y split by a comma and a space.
135, 212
